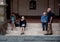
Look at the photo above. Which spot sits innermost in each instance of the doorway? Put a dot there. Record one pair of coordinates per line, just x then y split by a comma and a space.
8, 12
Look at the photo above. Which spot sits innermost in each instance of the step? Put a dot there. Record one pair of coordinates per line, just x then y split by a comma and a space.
33, 29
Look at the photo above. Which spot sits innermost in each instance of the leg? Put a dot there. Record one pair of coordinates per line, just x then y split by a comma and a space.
13, 25
49, 31
22, 30
43, 26
46, 26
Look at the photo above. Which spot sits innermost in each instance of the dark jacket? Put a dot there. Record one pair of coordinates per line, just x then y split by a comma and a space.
50, 14
23, 22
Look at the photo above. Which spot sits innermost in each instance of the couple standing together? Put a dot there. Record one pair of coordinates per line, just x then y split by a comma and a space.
46, 20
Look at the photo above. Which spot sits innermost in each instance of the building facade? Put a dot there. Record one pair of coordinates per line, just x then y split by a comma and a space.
26, 8
22, 7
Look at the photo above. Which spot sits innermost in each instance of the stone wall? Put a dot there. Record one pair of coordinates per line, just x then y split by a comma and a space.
23, 7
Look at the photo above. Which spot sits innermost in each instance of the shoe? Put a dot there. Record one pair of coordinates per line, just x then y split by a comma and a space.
46, 34
22, 33
12, 29
49, 34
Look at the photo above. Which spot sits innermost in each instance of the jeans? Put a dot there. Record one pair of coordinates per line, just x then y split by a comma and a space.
45, 26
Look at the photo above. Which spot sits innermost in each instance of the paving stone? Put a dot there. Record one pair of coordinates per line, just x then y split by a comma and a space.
44, 38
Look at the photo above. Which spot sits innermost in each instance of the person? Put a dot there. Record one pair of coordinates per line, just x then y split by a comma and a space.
50, 19
22, 24
44, 20
17, 22
12, 18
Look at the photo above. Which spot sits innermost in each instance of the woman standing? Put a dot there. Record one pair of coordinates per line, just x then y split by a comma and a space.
12, 18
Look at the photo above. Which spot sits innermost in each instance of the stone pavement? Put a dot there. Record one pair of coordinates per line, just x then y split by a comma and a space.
29, 38
32, 29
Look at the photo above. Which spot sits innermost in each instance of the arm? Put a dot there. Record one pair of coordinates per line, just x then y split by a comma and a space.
25, 23
41, 18
51, 18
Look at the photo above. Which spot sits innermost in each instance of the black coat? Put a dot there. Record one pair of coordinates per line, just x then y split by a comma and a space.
23, 22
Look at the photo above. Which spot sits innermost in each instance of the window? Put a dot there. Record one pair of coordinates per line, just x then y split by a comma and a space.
32, 4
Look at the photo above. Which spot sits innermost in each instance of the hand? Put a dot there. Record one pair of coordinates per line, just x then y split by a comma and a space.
49, 23
45, 21
23, 24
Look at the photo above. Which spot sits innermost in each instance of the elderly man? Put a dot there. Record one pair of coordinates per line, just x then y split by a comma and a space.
44, 20
50, 19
